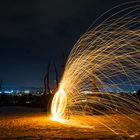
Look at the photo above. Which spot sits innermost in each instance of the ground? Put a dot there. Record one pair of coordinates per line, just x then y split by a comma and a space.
32, 123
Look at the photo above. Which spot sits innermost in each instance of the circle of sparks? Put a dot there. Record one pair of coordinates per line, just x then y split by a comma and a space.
59, 104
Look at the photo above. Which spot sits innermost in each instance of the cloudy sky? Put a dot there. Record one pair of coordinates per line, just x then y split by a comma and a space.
34, 32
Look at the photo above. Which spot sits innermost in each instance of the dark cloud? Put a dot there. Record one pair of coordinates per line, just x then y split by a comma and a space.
33, 32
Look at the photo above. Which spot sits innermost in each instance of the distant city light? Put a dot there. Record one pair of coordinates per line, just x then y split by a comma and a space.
27, 91
8, 91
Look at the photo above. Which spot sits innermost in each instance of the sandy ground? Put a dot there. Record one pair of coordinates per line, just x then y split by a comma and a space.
30, 123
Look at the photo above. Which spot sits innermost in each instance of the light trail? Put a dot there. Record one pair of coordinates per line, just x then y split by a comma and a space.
104, 61
59, 104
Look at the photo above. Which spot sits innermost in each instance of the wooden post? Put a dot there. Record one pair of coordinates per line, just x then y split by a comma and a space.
47, 92
47, 80
56, 76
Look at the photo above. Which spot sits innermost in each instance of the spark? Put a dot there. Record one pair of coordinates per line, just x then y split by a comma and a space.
59, 104
105, 59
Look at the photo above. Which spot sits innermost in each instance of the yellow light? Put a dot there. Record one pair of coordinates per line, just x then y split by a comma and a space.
105, 61
59, 103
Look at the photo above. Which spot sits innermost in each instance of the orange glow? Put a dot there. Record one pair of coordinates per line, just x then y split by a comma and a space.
102, 66
58, 104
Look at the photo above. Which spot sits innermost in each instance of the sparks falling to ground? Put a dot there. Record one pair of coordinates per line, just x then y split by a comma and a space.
104, 61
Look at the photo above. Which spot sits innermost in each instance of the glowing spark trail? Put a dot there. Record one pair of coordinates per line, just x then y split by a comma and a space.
59, 104
104, 63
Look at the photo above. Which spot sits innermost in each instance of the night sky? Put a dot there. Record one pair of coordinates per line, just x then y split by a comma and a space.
34, 32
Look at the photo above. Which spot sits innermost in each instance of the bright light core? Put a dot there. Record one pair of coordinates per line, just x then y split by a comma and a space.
58, 104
